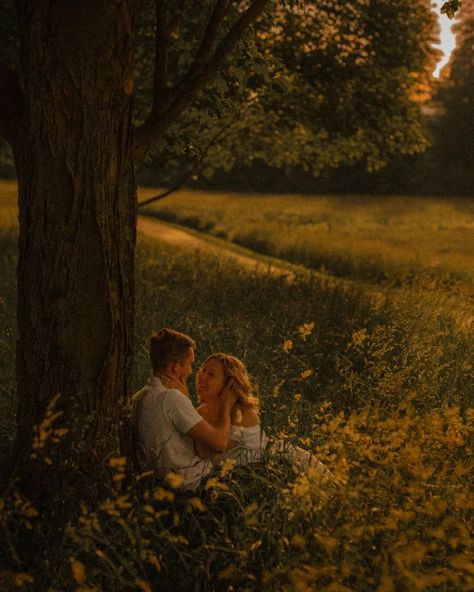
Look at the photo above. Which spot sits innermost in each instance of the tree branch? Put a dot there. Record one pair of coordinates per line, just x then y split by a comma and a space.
202, 155
208, 39
11, 103
159, 121
194, 168
166, 33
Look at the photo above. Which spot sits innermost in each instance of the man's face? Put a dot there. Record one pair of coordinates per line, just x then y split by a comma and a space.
184, 369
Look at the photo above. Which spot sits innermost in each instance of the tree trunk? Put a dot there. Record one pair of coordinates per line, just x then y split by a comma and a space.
77, 204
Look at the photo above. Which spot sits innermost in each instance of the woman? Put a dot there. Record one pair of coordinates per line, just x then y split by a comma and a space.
247, 439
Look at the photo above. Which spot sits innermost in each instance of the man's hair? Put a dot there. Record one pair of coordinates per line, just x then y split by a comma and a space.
168, 346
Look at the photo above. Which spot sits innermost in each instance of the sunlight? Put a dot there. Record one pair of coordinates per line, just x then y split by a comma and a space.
447, 38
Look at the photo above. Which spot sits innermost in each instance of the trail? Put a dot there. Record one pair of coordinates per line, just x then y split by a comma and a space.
170, 233
462, 313
183, 236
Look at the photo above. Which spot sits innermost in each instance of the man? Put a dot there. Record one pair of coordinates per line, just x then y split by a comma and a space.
166, 423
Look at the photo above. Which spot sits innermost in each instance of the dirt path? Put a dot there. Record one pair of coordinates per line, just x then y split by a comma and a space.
173, 235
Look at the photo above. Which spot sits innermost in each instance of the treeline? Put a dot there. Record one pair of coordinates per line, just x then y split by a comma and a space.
437, 171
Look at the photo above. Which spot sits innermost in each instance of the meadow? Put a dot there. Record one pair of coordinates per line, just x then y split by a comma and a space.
379, 238
379, 389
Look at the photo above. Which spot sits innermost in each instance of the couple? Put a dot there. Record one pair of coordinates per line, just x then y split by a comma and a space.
176, 437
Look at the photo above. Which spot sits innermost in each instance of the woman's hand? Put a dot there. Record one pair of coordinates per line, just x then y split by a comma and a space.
228, 395
171, 382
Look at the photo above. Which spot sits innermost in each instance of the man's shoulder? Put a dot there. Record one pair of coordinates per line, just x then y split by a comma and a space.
176, 398
140, 394
147, 392
154, 390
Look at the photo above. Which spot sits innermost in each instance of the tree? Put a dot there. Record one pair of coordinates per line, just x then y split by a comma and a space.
66, 110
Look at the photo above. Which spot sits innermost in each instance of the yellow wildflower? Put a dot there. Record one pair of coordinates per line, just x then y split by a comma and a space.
78, 570
197, 504
23, 578
117, 462
227, 465
463, 562
226, 573
386, 583
326, 541
161, 494
215, 484
287, 345
179, 540
305, 330
143, 586
152, 559
250, 509
255, 545
307, 373
358, 337
298, 540
174, 480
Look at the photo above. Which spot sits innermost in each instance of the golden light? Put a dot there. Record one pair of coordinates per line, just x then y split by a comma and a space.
447, 38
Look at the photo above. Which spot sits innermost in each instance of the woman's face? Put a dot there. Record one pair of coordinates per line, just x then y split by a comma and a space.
210, 380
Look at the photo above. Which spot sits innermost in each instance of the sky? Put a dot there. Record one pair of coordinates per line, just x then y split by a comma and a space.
447, 37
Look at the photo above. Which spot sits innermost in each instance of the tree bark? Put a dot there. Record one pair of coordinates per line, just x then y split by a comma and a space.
77, 210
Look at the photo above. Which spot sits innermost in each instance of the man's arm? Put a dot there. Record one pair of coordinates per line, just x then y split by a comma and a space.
213, 439
216, 438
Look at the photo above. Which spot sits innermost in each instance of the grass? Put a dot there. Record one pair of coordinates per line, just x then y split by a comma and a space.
380, 390
8, 204
385, 238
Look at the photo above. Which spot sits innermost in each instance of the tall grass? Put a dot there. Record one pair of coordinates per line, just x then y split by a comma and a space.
382, 394
359, 350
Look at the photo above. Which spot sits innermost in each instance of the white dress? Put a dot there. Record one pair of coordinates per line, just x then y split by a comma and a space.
249, 443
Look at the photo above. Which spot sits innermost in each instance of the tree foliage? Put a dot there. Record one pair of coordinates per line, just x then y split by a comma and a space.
310, 84
316, 86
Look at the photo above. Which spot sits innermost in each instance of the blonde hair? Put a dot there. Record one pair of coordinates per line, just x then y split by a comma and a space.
242, 383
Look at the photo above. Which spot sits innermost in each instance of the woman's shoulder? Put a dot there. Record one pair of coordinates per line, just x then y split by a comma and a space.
245, 416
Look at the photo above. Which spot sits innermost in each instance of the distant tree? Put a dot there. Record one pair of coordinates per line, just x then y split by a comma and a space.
66, 110
453, 128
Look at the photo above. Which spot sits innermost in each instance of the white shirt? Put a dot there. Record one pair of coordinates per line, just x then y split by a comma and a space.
162, 418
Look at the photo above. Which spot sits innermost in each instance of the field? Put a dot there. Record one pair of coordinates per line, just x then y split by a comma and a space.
365, 237
379, 389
